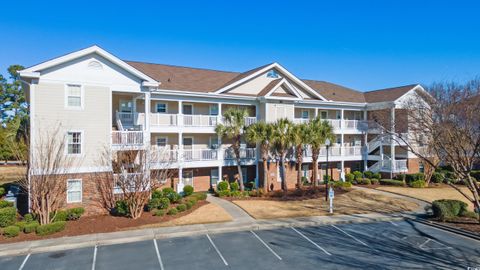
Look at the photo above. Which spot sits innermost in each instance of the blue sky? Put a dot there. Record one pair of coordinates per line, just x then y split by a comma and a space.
364, 45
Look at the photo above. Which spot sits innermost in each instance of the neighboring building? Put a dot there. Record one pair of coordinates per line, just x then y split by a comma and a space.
100, 100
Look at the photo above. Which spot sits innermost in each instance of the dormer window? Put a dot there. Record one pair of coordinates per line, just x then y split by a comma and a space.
272, 74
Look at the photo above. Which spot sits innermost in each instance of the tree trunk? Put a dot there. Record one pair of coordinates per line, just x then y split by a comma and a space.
266, 186
299, 152
282, 172
240, 175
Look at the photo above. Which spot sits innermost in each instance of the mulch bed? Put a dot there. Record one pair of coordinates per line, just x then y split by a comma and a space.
468, 224
305, 193
102, 224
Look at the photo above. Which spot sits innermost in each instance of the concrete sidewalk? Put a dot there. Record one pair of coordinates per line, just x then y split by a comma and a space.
56, 244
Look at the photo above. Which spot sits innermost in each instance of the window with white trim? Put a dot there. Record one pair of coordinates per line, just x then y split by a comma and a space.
305, 114
323, 114
161, 108
214, 176
162, 141
74, 96
74, 143
74, 190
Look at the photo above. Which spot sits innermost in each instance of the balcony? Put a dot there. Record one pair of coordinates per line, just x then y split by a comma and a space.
127, 139
336, 151
337, 124
163, 120
245, 153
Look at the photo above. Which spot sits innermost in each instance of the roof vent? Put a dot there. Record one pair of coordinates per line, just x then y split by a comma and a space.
94, 64
272, 74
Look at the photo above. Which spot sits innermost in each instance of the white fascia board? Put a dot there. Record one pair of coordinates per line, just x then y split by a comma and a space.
300, 82
282, 98
289, 86
334, 103
197, 94
29, 74
86, 51
258, 72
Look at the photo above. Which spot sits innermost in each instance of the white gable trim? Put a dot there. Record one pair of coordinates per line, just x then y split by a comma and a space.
282, 70
34, 72
288, 85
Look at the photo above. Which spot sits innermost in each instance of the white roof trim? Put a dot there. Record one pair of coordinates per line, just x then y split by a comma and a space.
416, 87
289, 86
34, 70
279, 67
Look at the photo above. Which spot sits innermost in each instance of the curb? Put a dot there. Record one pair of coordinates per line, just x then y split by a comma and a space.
142, 235
437, 225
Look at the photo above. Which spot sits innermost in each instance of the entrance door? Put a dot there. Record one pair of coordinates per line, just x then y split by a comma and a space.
187, 109
187, 177
188, 148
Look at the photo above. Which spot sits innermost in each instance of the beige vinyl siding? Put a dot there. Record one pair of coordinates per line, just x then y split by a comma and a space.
93, 120
276, 111
172, 139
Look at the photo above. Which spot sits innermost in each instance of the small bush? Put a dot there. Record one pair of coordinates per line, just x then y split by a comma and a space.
20, 224
358, 175
250, 185
237, 194
51, 228
11, 231
470, 214
28, 218
167, 191
364, 181
59, 215
174, 197
200, 196
75, 213
417, 184
164, 203
437, 177
7, 216
181, 207
159, 213
349, 177
409, 178
223, 185
234, 186
189, 204
376, 176
325, 178
368, 174
4, 204
448, 209
223, 193
192, 199
153, 204
341, 184
121, 208
400, 177
31, 226
172, 212
157, 194
375, 181
391, 182
2, 191
187, 190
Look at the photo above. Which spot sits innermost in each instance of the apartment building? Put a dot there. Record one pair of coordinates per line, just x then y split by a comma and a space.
99, 100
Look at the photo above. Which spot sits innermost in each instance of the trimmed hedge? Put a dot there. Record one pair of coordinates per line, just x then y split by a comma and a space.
189, 204
28, 218
121, 208
51, 228
391, 182
11, 231
59, 215
159, 213
156, 194
234, 186
375, 181
187, 190
200, 196
223, 193
31, 226
417, 184
349, 177
376, 176
437, 177
368, 174
342, 184
7, 216
154, 203
4, 204
223, 185
358, 175
2, 191
181, 207
75, 213
414, 177
172, 212
448, 209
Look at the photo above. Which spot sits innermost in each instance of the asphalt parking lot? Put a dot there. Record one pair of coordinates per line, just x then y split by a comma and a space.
384, 245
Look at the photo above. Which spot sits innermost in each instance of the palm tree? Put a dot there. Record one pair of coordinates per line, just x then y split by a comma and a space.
261, 133
232, 128
320, 131
299, 136
281, 144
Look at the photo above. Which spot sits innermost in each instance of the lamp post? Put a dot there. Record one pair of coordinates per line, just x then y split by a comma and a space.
327, 144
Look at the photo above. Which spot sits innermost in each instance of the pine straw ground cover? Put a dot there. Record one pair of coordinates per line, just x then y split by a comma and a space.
346, 202
107, 223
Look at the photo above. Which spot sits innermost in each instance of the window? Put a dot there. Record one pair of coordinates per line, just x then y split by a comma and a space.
421, 167
339, 114
323, 114
244, 175
305, 114
162, 141
214, 109
74, 190
74, 96
187, 177
187, 109
161, 108
126, 106
74, 143
214, 177
272, 74
214, 142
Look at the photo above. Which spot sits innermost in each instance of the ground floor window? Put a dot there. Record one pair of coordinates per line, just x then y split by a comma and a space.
74, 190
421, 167
187, 177
214, 177
244, 175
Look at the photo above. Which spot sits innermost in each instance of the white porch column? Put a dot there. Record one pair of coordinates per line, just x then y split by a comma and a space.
147, 111
365, 140
392, 142
220, 173
180, 180
316, 112
342, 124
342, 172
180, 113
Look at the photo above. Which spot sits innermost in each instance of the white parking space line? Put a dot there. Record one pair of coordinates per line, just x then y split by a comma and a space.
308, 239
158, 254
94, 257
353, 237
443, 246
394, 224
24, 261
216, 249
265, 244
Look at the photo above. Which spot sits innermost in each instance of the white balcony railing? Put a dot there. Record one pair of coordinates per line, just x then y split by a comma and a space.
301, 120
245, 153
199, 154
163, 119
200, 120
250, 120
352, 151
127, 138
335, 151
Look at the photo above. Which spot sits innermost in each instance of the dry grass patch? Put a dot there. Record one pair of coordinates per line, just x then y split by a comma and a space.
352, 202
430, 194
11, 173
209, 213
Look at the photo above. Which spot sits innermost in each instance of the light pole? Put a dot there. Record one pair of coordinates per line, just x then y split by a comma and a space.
327, 144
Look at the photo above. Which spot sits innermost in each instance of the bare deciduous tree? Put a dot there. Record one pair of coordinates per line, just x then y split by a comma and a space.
133, 176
